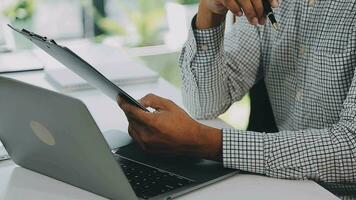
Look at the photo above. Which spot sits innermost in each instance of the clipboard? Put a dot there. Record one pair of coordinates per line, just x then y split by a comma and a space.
79, 66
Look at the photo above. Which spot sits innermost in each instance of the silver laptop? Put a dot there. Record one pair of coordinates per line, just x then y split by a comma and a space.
55, 135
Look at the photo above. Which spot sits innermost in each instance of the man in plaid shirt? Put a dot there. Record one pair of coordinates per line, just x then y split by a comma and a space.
308, 66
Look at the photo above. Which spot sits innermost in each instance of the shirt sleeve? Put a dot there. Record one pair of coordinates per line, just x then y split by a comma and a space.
215, 69
327, 155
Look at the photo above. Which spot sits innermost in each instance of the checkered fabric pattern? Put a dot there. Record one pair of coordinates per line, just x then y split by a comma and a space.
309, 69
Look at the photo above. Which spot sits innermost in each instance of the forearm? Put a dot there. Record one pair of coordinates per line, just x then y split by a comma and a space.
216, 70
204, 90
318, 154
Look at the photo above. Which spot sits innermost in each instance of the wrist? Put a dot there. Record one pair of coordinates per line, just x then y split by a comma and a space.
207, 19
210, 143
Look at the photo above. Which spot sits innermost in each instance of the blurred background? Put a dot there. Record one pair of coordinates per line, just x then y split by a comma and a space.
152, 31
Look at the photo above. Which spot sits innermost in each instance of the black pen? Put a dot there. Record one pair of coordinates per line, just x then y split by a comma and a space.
269, 13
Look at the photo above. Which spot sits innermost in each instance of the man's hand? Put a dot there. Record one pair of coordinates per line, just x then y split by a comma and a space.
212, 12
170, 130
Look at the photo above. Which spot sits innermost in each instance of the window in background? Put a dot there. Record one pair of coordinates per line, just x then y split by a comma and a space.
20, 14
59, 19
7, 42
2, 37
144, 21
179, 16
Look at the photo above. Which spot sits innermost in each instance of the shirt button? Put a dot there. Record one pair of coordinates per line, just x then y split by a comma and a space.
204, 47
312, 2
299, 95
302, 51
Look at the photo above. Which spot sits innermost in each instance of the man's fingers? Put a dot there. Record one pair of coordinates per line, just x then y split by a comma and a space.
249, 11
154, 101
135, 135
133, 112
253, 9
233, 7
131, 132
141, 136
144, 140
259, 9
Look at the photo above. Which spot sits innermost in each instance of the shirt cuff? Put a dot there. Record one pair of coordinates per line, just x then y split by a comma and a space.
204, 41
244, 150
209, 39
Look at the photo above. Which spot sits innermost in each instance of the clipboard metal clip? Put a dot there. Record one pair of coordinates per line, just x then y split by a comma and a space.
32, 34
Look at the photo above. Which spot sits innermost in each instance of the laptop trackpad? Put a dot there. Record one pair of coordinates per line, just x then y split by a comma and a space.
197, 169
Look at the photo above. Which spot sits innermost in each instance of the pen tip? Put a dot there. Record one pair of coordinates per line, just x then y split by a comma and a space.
275, 25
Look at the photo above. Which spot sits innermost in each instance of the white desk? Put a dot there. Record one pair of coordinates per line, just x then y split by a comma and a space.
17, 183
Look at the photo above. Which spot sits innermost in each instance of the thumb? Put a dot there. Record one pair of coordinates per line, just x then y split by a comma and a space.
154, 101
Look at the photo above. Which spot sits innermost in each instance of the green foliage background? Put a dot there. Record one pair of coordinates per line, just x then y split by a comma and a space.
187, 2
20, 10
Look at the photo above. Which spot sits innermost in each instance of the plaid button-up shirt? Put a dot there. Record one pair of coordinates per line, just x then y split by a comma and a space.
309, 69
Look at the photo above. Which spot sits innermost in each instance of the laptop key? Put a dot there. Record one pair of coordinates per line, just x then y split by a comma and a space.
147, 181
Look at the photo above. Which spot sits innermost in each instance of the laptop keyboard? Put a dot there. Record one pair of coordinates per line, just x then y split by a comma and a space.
147, 181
